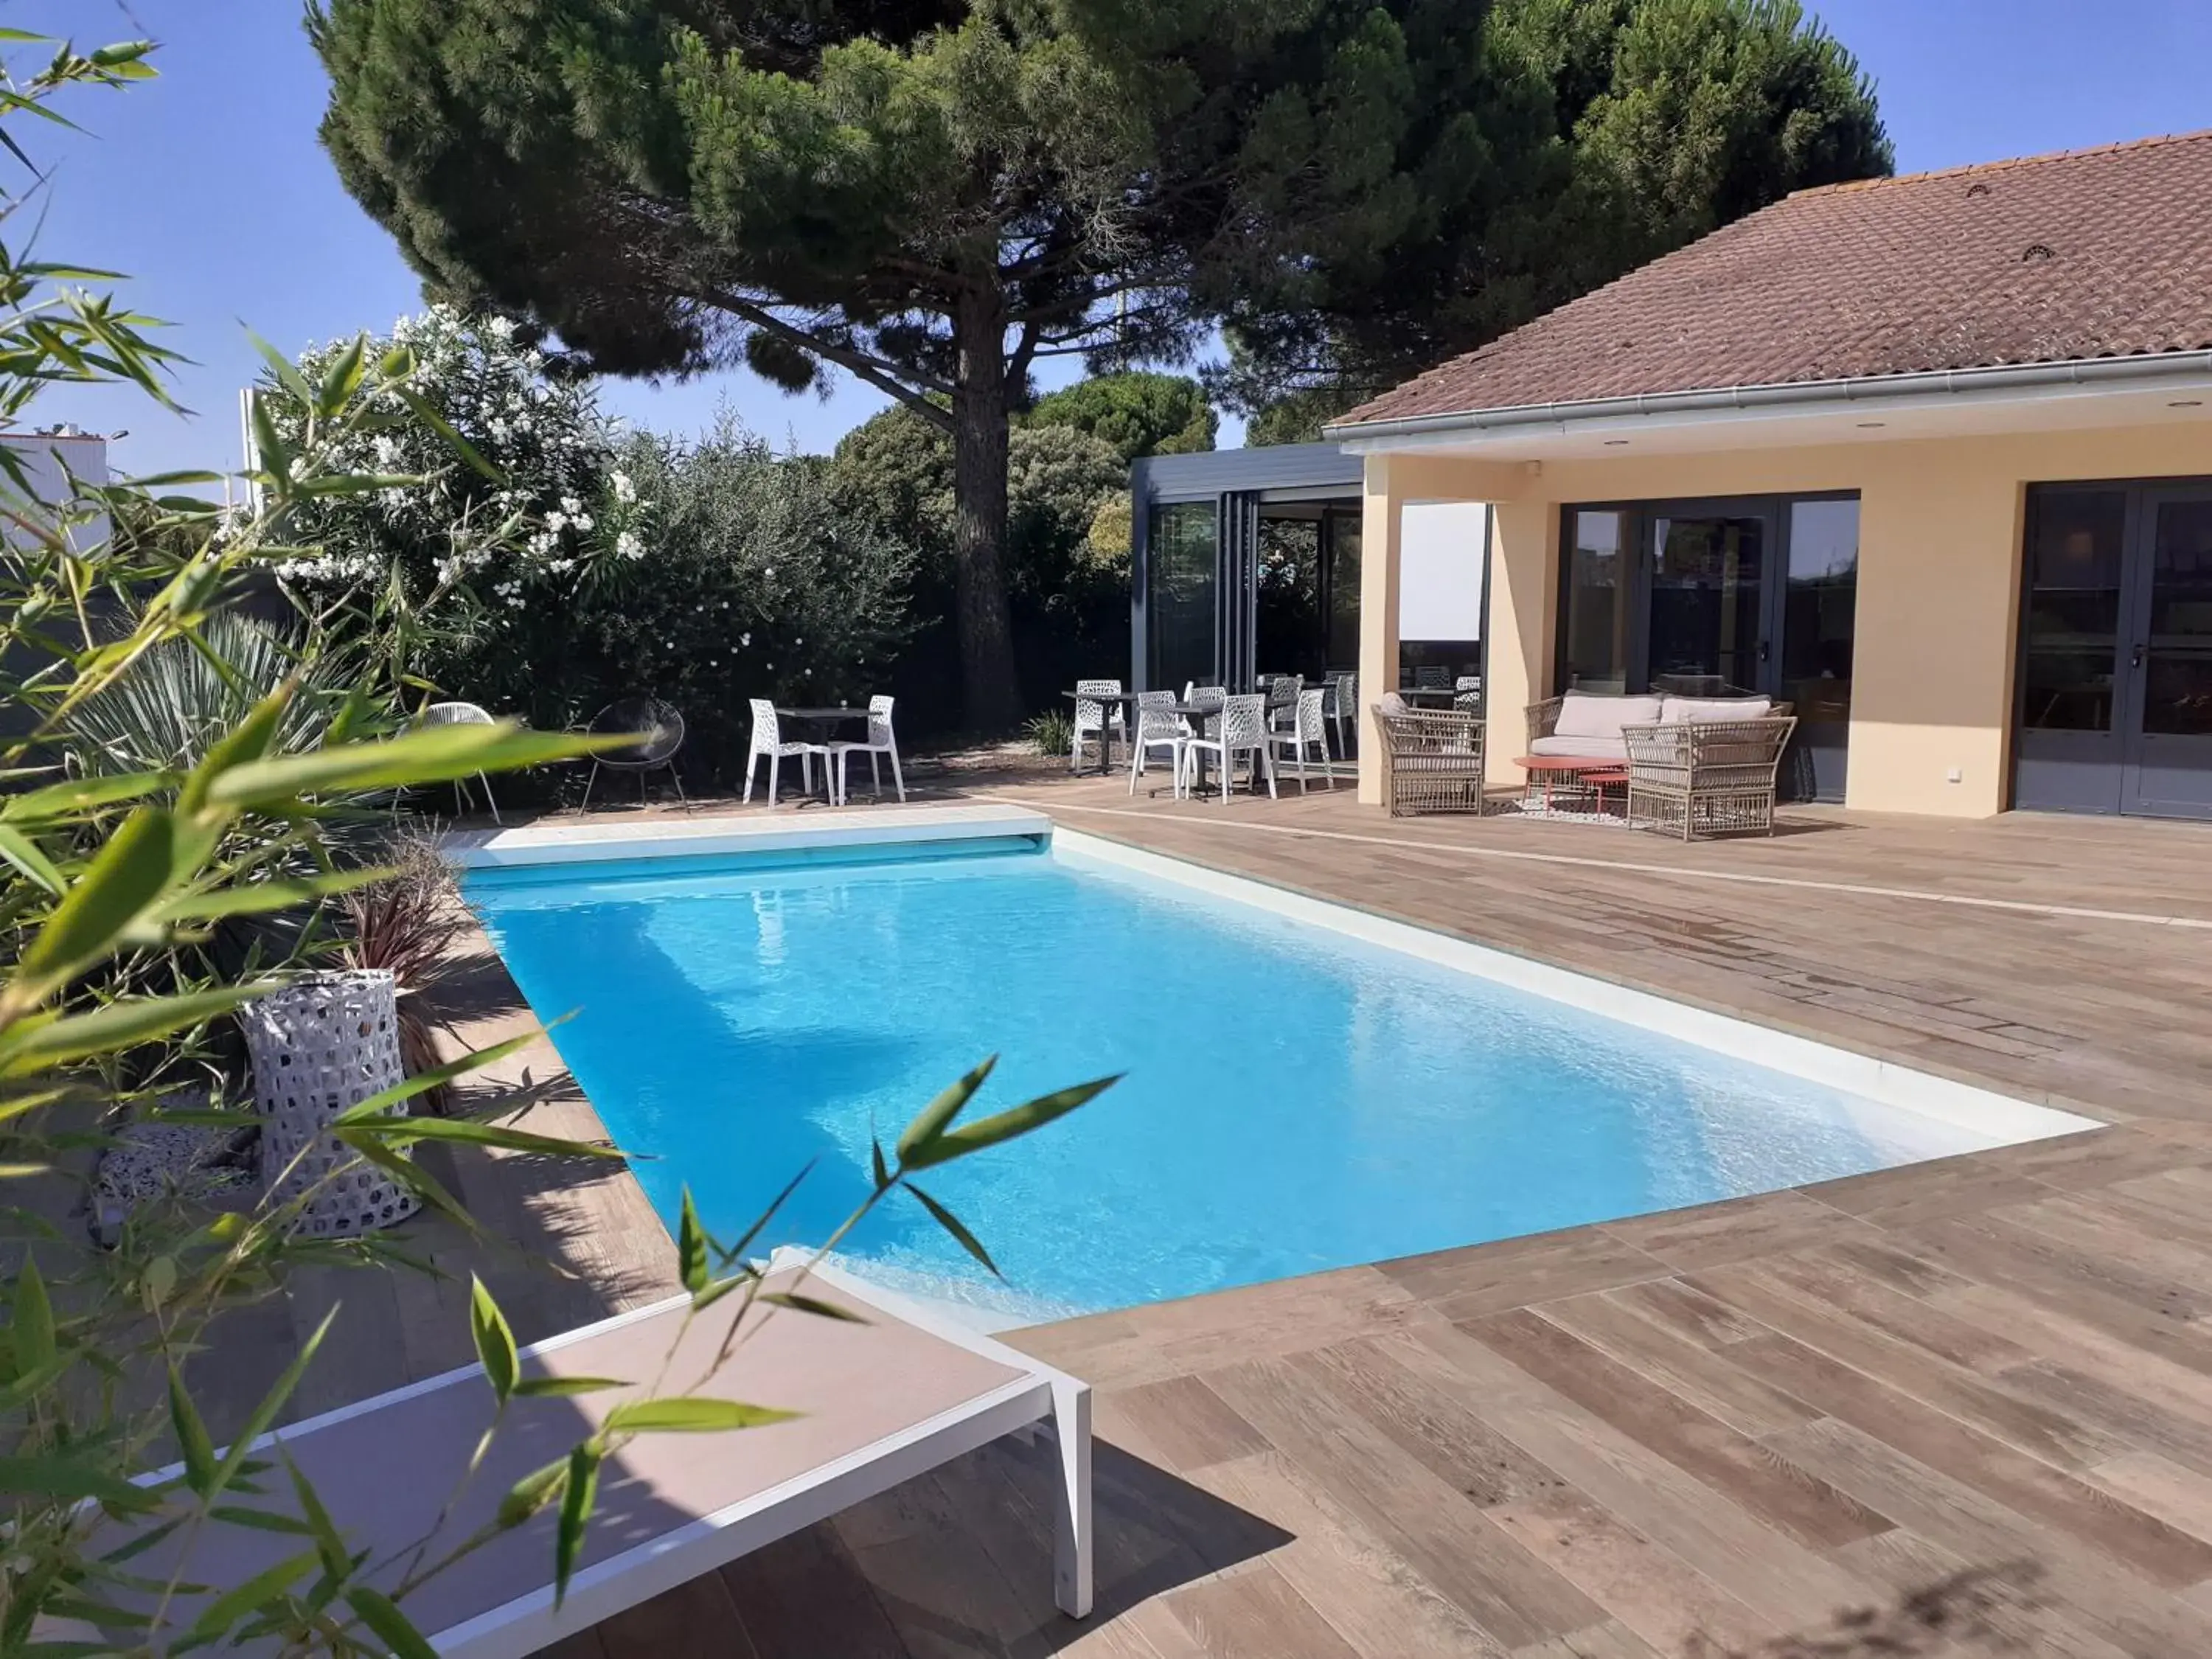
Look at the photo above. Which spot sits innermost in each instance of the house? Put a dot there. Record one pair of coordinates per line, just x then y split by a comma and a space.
1931, 456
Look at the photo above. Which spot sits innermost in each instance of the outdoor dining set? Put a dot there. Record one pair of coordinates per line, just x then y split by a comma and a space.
1286, 720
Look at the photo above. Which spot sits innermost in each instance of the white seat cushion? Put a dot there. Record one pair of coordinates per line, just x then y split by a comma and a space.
1582, 715
1582, 748
1699, 711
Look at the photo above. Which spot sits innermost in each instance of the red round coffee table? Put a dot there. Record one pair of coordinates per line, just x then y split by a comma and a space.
1596, 772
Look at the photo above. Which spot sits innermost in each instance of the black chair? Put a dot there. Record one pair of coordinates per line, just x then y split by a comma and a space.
664, 735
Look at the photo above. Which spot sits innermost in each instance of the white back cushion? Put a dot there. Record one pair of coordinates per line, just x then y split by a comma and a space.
1582, 715
1697, 711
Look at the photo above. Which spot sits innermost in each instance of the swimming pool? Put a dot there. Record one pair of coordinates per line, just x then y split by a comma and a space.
1307, 1087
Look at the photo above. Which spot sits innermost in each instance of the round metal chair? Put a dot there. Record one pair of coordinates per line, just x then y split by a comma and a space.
663, 727
462, 714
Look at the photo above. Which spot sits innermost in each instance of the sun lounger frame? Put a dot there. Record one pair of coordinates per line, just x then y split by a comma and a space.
1041, 1397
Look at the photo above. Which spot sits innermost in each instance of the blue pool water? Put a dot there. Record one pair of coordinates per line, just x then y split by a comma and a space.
1294, 1099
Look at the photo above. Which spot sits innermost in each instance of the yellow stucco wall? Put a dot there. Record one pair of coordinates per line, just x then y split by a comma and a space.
1939, 529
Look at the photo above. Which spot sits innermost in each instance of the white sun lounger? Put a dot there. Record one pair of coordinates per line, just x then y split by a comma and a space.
883, 1401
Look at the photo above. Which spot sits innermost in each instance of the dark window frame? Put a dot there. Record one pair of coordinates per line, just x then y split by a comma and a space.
1637, 514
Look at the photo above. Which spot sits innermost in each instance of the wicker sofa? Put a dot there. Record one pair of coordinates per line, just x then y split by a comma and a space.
1695, 764
1431, 758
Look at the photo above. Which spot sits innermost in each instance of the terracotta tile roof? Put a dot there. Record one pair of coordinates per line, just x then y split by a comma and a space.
2088, 253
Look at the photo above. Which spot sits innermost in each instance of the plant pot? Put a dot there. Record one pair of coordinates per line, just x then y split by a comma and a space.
323, 1044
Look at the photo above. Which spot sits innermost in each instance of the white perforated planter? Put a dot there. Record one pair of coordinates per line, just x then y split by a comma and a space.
326, 1043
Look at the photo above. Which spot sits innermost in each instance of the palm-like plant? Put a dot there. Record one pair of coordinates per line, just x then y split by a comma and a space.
165, 711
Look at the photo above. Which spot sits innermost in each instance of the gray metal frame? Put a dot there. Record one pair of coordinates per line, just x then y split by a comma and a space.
1238, 482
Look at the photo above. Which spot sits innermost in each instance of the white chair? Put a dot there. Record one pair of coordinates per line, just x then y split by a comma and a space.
1158, 727
1241, 728
462, 714
1309, 729
880, 742
1283, 693
767, 739
1343, 705
1099, 719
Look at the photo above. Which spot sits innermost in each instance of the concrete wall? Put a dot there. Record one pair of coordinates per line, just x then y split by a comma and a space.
1940, 555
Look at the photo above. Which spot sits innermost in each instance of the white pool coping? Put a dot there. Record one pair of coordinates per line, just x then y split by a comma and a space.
2000, 1119
766, 832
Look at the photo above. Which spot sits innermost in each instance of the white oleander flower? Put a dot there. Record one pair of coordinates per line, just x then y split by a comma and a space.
625, 491
557, 522
571, 506
629, 546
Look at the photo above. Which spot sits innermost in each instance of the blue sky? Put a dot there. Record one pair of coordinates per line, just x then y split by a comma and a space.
208, 186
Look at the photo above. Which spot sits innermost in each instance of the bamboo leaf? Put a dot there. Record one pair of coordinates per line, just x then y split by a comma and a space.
69, 1478
120, 884
81, 795
20, 850
250, 740
328, 1542
433, 755
761, 1221
263, 1415
717, 1289
287, 372
29, 1047
690, 1414
561, 1388
952, 1224
405, 1131
342, 377
533, 1492
494, 1341
581, 1487
809, 1304
691, 1271
237, 1515
186, 1423
378, 1105
1009, 1125
388, 1623
931, 1120
262, 898
257, 1592
438, 423
412, 1175
139, 1542
31, 1328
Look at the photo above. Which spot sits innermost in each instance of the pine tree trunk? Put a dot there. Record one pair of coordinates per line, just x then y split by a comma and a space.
990, 694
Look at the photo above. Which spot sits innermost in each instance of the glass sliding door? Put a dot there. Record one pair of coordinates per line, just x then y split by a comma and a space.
2115, 707
1593, 622
1743, 597
2169, 736
1183, 577
1819, 612
1708, 633
1342, 529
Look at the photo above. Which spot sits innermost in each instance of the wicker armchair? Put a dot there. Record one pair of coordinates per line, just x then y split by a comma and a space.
1716, 776
1431, 760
